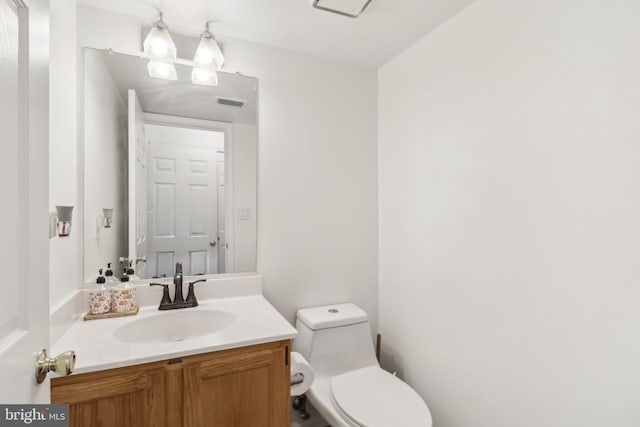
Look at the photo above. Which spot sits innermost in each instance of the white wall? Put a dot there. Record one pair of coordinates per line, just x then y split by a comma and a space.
317, 179
317, 196
245, 141
105, 151
65, 268
509, 215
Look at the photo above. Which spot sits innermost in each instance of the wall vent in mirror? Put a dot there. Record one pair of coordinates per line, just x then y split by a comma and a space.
231, 102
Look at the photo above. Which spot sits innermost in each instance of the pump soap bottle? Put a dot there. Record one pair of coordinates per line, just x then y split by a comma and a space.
123, 298
131, 272
111, 280
100, 296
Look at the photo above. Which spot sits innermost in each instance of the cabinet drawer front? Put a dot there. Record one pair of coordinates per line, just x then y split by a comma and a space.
84, 391
232, 364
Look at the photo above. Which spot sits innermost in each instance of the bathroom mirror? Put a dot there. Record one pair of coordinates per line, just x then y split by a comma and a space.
170, 170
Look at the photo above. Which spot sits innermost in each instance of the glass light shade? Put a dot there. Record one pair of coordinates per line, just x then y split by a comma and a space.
63, 225
208, 53
158, 45
162, 70
204, 76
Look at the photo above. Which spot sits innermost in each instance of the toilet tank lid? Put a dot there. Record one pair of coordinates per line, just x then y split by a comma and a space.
330, 316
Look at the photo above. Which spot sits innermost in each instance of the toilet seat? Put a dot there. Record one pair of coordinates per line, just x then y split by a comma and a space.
372, 397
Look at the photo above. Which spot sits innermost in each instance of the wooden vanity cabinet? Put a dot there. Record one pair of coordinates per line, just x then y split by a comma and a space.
131, 396
243, 387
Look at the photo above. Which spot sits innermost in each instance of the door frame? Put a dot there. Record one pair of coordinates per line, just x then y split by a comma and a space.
132, 177
229, 201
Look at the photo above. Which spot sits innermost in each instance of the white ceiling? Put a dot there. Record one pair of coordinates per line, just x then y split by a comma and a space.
385, 29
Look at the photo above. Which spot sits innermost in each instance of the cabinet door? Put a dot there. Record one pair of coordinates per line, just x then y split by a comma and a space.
241, 388
125, 397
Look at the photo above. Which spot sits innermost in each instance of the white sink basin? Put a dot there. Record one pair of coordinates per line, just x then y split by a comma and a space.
171, 326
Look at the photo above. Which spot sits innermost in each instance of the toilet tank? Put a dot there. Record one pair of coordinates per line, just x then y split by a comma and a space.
335, 338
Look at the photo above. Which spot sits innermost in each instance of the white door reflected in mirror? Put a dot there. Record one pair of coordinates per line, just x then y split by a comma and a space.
182, 179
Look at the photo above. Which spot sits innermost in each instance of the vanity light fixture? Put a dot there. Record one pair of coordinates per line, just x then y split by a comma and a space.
159, 46
208, 54
207, 60
161, 51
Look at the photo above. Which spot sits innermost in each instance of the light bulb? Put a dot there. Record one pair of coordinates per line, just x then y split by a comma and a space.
204, 56
204, 76
160, 49
158, 45
208, 53
162, 70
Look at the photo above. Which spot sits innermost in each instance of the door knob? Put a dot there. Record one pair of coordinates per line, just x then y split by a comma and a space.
63, 364
212, 243
141, 258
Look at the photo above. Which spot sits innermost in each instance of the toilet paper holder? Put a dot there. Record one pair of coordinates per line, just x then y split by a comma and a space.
297, 378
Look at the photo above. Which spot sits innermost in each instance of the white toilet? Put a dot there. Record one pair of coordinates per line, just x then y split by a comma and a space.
350, 389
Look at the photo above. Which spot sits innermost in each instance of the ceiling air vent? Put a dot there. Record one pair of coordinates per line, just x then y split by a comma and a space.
238, 103
350, 8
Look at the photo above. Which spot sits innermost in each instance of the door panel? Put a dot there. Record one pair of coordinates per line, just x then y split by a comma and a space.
24, 119
198, 210
198, 262
164, 207
163, 265
10, 315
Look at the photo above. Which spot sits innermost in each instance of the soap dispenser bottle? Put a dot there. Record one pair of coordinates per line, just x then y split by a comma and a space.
131, 272
110, 279
99, 296
101, 280
123, 297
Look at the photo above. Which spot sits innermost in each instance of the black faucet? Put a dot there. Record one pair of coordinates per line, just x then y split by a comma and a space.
177, 281
178, 299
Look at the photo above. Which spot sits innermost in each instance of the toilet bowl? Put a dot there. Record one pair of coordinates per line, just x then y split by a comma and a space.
350, 389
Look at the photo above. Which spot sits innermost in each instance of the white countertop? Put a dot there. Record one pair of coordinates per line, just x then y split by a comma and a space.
256, 322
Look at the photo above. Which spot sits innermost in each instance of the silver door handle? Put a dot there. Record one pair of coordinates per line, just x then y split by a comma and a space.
212, 243
62, 364
141, 259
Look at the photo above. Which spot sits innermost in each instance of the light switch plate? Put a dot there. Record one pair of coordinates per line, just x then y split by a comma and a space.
244, 213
